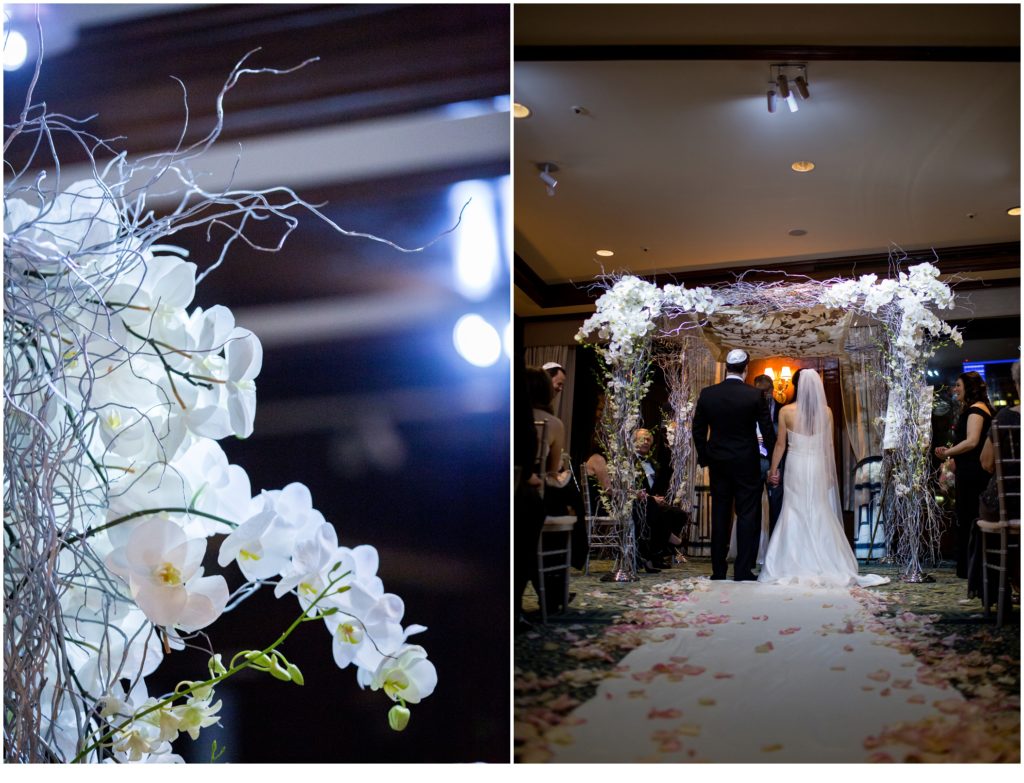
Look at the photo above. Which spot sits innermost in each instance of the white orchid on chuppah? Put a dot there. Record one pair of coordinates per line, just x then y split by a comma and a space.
114, 484
632, 314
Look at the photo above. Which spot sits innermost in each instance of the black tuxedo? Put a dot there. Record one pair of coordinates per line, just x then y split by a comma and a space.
733, 411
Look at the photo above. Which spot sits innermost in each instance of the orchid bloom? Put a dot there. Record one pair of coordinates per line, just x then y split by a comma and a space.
408, 676
244, 356
162, 568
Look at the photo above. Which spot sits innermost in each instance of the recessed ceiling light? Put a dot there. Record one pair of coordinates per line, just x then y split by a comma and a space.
1015, 211
803, 166
798, 232
521, 111
605, 253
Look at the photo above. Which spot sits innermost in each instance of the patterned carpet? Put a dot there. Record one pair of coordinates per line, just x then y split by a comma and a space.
559, 666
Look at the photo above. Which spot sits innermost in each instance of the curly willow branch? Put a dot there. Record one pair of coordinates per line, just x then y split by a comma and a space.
63, 324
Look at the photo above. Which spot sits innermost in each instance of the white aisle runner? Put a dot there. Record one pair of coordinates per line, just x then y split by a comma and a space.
762, 673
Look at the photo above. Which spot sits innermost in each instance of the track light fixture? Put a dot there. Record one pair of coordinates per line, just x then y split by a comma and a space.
780, 75
801, 87
550, 183
783, 83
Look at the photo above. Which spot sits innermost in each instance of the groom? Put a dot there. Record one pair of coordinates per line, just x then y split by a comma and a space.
733, 411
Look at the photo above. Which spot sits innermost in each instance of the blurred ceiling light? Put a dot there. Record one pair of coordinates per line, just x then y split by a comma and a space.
15, 50
476, 340
803, 166
521, 111
477, 254
1015, 211
605, 253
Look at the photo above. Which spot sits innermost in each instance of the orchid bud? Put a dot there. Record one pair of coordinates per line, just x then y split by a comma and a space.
398, 717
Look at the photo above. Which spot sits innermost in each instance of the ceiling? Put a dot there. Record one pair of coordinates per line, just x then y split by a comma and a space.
673, 161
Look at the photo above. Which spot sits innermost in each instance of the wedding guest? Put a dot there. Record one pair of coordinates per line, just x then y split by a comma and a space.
766, 385
988, 507
557, 373
971, 430
556, 503
652, 524
541, 392
528, 506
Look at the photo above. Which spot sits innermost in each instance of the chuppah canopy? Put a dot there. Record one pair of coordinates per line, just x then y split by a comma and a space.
793, 316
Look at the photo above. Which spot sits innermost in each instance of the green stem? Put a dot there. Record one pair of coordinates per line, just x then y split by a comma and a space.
147, 512
213, 680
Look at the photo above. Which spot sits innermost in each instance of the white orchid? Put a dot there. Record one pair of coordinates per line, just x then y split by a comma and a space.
162, 568
244, 356
149, 387
408, 675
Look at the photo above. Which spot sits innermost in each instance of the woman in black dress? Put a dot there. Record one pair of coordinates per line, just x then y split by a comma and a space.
971, 430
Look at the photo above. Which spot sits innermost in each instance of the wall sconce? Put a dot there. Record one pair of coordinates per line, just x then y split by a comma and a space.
783, 381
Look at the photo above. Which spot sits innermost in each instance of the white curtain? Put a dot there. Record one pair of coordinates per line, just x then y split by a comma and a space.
565, 355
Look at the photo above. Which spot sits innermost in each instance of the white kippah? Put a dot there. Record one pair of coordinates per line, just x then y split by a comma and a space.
551, 366
736, 356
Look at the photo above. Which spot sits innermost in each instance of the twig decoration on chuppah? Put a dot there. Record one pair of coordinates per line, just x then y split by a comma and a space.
633, 313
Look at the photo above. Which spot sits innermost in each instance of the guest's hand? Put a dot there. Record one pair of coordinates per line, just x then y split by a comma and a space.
659, 499
940, 452
534, 480
773, 478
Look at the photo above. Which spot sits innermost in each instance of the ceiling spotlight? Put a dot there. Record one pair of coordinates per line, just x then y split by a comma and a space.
545, 176
521, 111
1015, 211
801, 86
803, 166
605, 253
783, 83
788, 79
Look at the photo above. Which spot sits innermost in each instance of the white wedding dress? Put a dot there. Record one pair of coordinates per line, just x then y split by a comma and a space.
809, 546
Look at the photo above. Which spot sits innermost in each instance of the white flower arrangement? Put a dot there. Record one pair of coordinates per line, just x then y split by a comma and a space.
625, 326
117, 394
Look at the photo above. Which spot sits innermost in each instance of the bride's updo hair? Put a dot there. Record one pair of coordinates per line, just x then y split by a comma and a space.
796, 382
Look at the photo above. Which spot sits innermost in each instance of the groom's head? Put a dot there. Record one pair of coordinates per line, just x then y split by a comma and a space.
736, 362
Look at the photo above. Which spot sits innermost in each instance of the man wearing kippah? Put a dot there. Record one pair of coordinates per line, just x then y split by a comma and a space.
557, 373
725, 427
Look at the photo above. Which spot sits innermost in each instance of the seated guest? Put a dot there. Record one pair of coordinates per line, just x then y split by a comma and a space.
653, 532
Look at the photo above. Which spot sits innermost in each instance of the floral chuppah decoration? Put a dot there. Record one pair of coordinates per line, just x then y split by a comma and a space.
627, 322
116, 395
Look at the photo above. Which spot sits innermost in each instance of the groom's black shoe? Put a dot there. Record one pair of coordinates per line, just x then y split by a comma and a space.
650, 568
747, 577
717, 578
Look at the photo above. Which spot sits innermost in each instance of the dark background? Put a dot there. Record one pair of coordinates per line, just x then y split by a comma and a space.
403, 444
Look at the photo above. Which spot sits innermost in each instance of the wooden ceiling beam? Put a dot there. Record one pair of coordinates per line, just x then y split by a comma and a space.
950, 260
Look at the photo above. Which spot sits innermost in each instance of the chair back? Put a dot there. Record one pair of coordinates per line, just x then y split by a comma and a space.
585, 489
1006, 451
540, 464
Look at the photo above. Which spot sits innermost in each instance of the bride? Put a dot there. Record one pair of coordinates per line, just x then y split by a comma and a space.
809, 545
